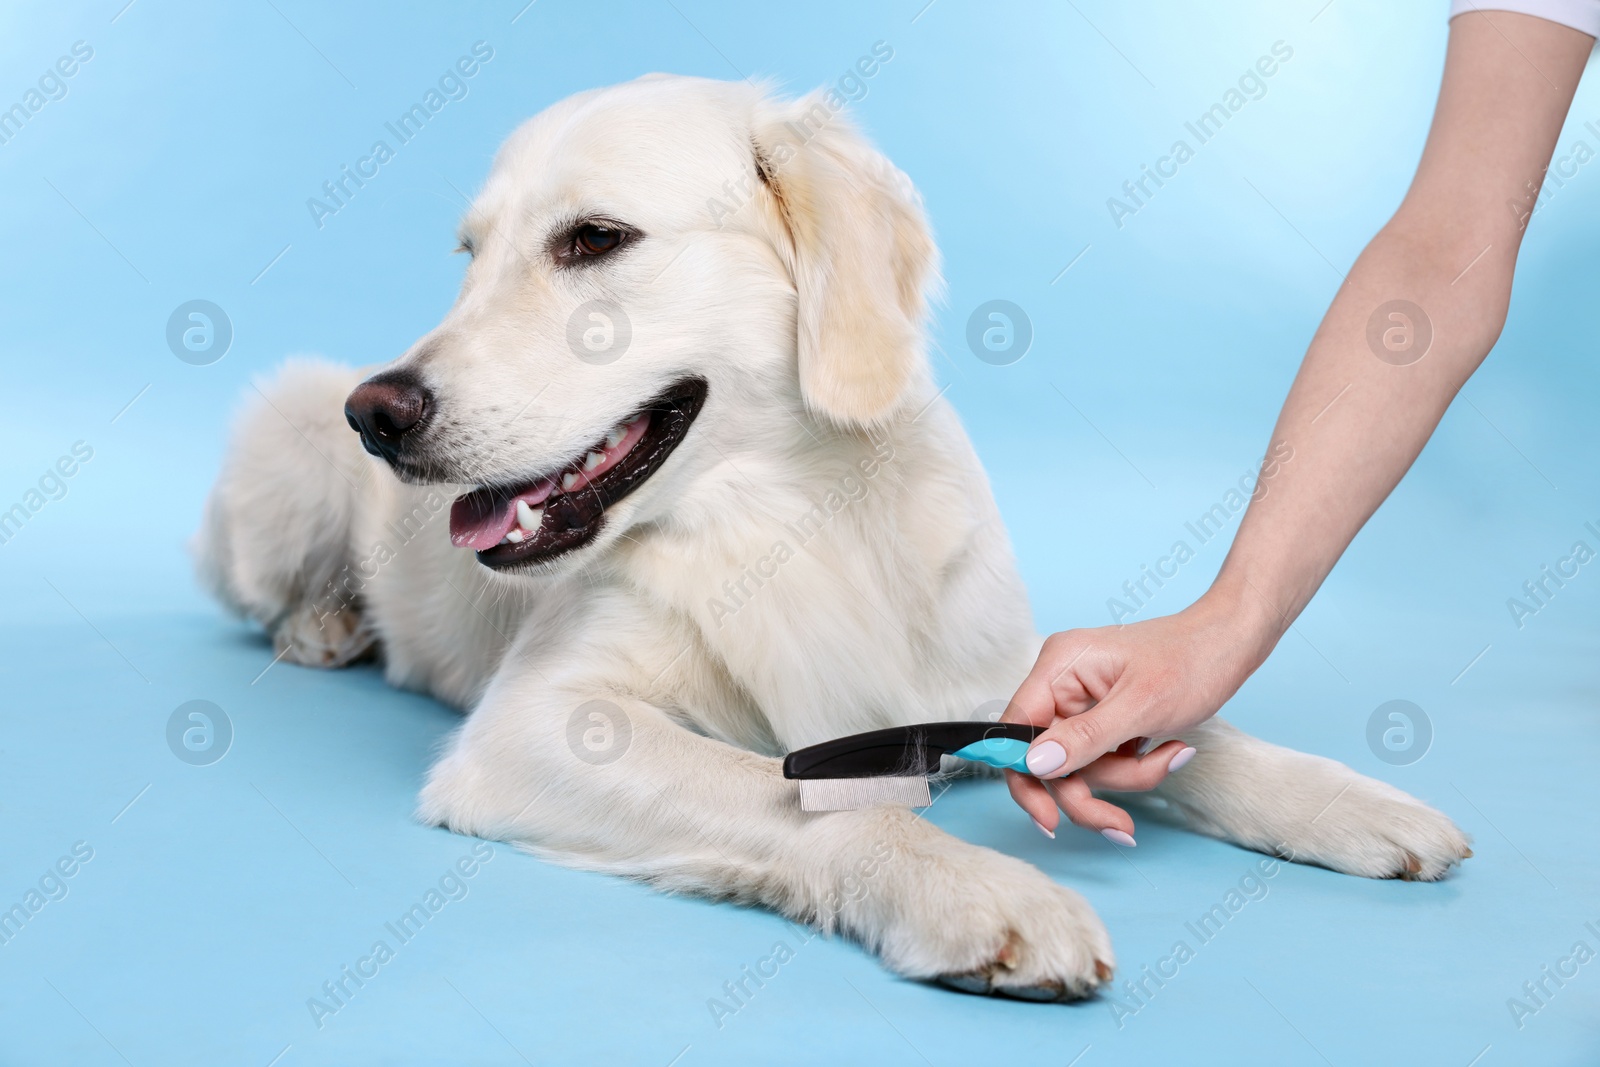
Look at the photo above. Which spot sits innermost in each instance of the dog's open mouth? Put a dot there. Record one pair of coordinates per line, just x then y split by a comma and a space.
536, 521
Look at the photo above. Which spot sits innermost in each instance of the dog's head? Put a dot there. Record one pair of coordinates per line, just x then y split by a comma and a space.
650, 260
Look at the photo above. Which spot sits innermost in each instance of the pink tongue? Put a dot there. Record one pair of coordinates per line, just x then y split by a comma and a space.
479, 522
481, 519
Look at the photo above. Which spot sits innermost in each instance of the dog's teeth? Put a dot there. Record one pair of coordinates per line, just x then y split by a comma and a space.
528, 518
514, 536
614, 438
568, 480
593, 460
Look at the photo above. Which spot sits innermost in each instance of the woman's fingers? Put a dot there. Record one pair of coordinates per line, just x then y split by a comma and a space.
1072, 743
1054, 686
1032, 797
1132, 773
1046, 801
1072, 796
1033, 703
1122, 771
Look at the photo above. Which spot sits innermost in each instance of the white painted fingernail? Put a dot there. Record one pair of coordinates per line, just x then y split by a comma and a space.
1117, 837
1044, 758
1051, 834
1183, 756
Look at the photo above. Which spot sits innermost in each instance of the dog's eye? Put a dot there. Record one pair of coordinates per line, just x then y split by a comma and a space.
595, 239
466, 245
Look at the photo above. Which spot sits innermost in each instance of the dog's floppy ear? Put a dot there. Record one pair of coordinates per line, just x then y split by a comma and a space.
859, 252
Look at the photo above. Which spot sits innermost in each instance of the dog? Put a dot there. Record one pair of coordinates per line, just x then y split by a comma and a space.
670, 492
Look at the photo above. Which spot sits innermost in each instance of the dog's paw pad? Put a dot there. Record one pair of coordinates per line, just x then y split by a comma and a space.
976, 984
1048, 991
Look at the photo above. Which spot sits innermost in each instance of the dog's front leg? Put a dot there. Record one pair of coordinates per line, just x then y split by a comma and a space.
612, 783
1308, 809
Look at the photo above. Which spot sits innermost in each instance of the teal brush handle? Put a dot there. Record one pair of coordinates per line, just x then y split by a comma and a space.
1006, 753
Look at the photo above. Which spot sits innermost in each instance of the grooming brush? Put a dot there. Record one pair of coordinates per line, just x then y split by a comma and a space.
892, 766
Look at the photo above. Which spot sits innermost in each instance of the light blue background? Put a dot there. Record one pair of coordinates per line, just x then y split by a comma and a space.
177, 167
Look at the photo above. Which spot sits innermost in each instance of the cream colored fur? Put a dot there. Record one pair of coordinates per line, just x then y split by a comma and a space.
785, 261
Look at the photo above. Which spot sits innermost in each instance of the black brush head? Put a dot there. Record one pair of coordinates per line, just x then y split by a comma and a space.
900, 751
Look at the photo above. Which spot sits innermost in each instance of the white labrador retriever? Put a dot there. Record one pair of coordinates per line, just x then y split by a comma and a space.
707, 508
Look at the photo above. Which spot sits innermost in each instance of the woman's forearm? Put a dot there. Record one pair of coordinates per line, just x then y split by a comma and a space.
1418, 313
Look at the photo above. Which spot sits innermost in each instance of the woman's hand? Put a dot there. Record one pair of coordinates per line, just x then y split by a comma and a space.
1101, 693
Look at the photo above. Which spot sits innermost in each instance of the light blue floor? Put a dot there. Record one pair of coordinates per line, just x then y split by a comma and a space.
219, 899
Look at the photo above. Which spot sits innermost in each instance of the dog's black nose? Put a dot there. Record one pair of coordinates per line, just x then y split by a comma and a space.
384, 408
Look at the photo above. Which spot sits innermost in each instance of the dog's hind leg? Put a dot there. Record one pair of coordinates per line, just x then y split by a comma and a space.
276, 533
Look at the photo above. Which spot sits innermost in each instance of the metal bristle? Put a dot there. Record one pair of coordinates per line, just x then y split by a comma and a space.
848, 794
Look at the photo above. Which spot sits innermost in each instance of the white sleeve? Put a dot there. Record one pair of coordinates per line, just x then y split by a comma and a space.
1581, 15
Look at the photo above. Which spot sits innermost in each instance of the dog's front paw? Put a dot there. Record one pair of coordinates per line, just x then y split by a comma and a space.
1012, 974
1018, 934
1308, 809
1370, 828
982, 922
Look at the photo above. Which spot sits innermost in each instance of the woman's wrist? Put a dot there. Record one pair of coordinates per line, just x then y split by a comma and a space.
1244, 621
